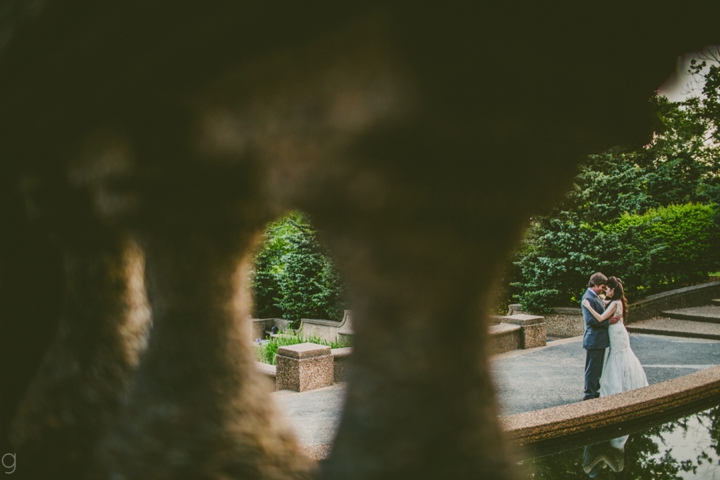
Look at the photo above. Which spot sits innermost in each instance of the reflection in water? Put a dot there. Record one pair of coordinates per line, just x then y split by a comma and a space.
685, 448
610, 454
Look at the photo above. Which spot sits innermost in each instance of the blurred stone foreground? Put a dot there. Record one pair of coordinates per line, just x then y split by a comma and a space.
143, 145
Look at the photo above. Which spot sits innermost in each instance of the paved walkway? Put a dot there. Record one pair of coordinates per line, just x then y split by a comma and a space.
526, 380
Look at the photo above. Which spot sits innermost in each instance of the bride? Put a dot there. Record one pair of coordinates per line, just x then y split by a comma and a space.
622, 370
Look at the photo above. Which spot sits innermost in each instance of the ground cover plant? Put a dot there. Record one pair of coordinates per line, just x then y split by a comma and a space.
266, 352
649, 216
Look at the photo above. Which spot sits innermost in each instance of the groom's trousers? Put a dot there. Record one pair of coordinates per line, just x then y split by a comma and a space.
594, 358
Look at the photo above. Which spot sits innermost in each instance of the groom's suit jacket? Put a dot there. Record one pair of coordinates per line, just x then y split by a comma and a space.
596, 333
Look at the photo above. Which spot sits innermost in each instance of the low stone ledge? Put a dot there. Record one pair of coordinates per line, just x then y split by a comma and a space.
522, 319
303, 367
495, 319
340, 360
318, 321
304, 350
328, 330
258, 327
558, 422
504, 338
579, 417
266, 369
567, 322
533, 332
654, 305
269, 373
562, 322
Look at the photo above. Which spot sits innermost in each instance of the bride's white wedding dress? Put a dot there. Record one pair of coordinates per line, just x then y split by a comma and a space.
622, 370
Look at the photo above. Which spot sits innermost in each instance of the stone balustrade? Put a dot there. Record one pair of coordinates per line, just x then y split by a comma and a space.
189, 134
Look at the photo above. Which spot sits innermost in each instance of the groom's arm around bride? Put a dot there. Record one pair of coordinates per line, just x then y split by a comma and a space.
595, 338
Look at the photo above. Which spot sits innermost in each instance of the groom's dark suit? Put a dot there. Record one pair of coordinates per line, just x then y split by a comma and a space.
595, 341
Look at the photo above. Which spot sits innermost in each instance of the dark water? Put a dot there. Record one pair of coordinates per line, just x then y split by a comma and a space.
686, 447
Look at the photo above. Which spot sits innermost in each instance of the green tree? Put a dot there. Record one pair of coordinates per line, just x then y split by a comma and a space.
649, 216
294, 277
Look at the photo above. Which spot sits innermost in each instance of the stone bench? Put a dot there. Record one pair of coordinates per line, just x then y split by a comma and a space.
532, 329
513, 332
504, 338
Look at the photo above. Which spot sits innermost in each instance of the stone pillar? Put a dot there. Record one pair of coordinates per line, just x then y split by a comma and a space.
30, 270
304, 367
199, 407
420, 397
533, 329
101, 330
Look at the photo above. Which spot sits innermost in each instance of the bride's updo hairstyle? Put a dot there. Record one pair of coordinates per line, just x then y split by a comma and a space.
619, 293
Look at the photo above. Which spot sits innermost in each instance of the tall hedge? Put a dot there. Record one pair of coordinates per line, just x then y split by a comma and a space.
658, 250
294, 277
676, 245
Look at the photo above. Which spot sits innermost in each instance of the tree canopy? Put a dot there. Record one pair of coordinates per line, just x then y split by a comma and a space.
294, 277
649, 216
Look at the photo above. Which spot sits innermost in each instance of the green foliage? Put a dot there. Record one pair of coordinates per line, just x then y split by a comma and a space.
648, 216
658, 250
294, 277
559, 255
676, 245
266, 352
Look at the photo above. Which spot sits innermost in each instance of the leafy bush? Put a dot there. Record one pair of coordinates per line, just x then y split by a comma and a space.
676, 245
658, 250
557, 259
294, 277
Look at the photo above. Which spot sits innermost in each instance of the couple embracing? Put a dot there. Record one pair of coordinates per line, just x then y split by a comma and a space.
617, 369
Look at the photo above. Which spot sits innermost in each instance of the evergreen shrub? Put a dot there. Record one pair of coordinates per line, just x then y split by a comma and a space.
661, 249
294, 277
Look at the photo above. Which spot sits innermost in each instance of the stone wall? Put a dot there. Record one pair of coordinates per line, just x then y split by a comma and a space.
260, 326
654, 305
565, 322
328, 330
561, 322
325, 329
504, 338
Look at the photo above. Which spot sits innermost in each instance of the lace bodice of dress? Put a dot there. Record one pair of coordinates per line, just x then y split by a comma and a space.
619, 340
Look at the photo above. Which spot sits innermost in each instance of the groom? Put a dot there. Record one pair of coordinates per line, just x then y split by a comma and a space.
596, 339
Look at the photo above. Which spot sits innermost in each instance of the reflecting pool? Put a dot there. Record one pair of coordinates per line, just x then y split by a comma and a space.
687, 447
